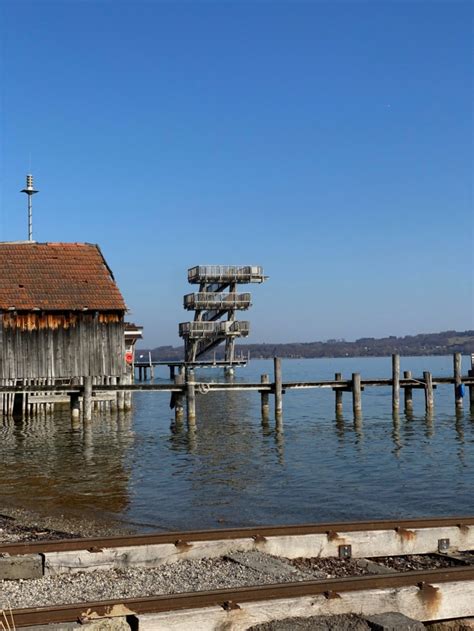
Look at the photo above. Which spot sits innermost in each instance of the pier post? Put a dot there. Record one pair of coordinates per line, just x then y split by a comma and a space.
75, 406
471, 388
120, 394
265, 405
127, 395
356, 394
190, 397
87, 403
338, 391
457, 366
429, 401
179, 407
395, 383
113, 402
278, 389
172, 368
408, 393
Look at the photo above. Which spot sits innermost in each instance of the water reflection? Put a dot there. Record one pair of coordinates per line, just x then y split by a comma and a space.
358, 428
45, 460
237, 467
396, 433
340, 427
429, 423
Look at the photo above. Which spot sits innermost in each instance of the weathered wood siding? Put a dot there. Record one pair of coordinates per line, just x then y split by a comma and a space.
55, 345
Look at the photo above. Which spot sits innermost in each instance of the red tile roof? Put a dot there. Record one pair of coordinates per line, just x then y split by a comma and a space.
56, 277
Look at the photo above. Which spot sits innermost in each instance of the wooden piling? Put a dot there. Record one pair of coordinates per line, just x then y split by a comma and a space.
172, 369
457, 367
429, 401
179, 400
395, 382
265, 397
356, 394
338, 391
278, 389
408, 393
127, 396
75, 407
87, 405
120, 394
471, 388
190, 397
113, 402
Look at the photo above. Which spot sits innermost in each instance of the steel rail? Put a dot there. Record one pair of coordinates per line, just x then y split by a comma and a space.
230, 597
177, 537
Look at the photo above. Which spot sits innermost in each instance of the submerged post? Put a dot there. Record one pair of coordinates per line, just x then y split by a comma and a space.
429, 401
356, 394
265, 405
278, 389
395, 382
471, 388
408, 393
87, 404
190, 397
113, 401
127, 395
457, 366
121, 394
75, 405
338, 391
179, 399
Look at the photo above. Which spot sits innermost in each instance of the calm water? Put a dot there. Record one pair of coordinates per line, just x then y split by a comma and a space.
231, 470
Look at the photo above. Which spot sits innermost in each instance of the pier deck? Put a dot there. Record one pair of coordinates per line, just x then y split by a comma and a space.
184, 388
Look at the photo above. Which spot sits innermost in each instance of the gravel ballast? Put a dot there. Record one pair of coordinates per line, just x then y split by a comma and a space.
185, 576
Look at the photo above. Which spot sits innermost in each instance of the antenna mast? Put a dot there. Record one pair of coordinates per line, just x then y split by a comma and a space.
30, 191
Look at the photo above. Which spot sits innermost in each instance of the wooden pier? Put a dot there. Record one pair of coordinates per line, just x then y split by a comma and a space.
145, 370
185, 387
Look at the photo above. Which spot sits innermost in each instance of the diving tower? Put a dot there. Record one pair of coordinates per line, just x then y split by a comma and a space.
215, 305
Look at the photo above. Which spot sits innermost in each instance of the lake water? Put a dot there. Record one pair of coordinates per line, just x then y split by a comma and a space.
231, 470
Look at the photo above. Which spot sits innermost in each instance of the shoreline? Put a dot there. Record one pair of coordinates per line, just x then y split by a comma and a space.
22, 524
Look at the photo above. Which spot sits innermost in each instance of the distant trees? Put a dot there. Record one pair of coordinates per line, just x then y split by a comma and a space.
442, 343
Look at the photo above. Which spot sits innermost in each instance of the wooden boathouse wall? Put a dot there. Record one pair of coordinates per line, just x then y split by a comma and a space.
60, 345
61, 320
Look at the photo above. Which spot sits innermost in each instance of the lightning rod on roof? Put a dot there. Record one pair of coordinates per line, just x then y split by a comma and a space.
30, 191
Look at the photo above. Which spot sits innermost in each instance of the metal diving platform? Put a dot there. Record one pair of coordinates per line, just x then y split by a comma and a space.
215, 306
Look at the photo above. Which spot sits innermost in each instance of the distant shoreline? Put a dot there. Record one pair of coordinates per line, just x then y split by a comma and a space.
423, 344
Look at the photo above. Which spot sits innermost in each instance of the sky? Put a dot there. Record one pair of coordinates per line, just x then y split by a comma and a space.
329, 142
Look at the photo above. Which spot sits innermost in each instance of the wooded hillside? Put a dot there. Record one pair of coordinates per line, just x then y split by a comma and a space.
442, 343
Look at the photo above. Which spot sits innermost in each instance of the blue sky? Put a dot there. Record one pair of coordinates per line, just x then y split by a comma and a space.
330, 142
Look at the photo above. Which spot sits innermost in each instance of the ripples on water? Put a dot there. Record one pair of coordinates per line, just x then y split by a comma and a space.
232, 470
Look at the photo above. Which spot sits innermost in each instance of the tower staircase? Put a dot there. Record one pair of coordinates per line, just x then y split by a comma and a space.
215, 306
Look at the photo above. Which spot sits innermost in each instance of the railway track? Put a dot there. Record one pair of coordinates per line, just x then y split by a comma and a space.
430, 594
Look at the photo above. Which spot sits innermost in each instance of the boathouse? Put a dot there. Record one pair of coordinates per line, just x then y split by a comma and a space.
61, 313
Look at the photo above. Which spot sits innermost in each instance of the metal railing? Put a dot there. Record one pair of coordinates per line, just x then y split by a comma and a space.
221, 301
197, 329
222, 273
206, 329
239, 327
